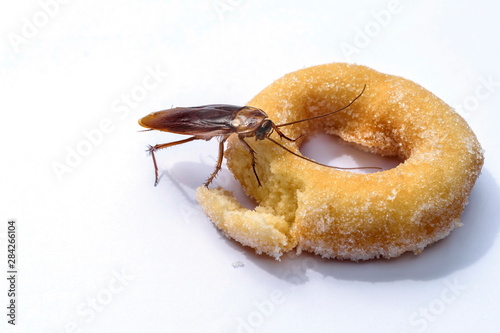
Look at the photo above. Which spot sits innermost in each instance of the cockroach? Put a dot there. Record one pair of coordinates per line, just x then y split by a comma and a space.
221, 120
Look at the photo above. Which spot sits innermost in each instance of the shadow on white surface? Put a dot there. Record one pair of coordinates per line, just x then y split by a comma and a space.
188, 176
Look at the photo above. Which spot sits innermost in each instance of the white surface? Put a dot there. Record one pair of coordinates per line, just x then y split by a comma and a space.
102, 250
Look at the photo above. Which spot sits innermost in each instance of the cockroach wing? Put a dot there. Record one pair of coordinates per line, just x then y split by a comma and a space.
204, 121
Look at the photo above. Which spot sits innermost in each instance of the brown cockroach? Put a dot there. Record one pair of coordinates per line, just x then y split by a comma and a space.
222, 121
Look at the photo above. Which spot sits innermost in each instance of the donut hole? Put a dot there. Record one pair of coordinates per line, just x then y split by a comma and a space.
332, 150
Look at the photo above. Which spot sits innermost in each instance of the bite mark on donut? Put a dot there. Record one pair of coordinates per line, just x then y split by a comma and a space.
261, 229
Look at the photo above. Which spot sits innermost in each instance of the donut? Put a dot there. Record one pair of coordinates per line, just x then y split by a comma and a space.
337, 213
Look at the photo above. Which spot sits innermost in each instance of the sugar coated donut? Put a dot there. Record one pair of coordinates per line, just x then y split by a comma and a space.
341, 214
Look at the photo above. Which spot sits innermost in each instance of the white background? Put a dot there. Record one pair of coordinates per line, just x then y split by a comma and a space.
102, 250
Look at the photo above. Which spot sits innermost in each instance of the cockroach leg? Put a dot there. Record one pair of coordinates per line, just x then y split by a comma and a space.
252, 154
219, 161
152, 152
282, 135
152, 149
